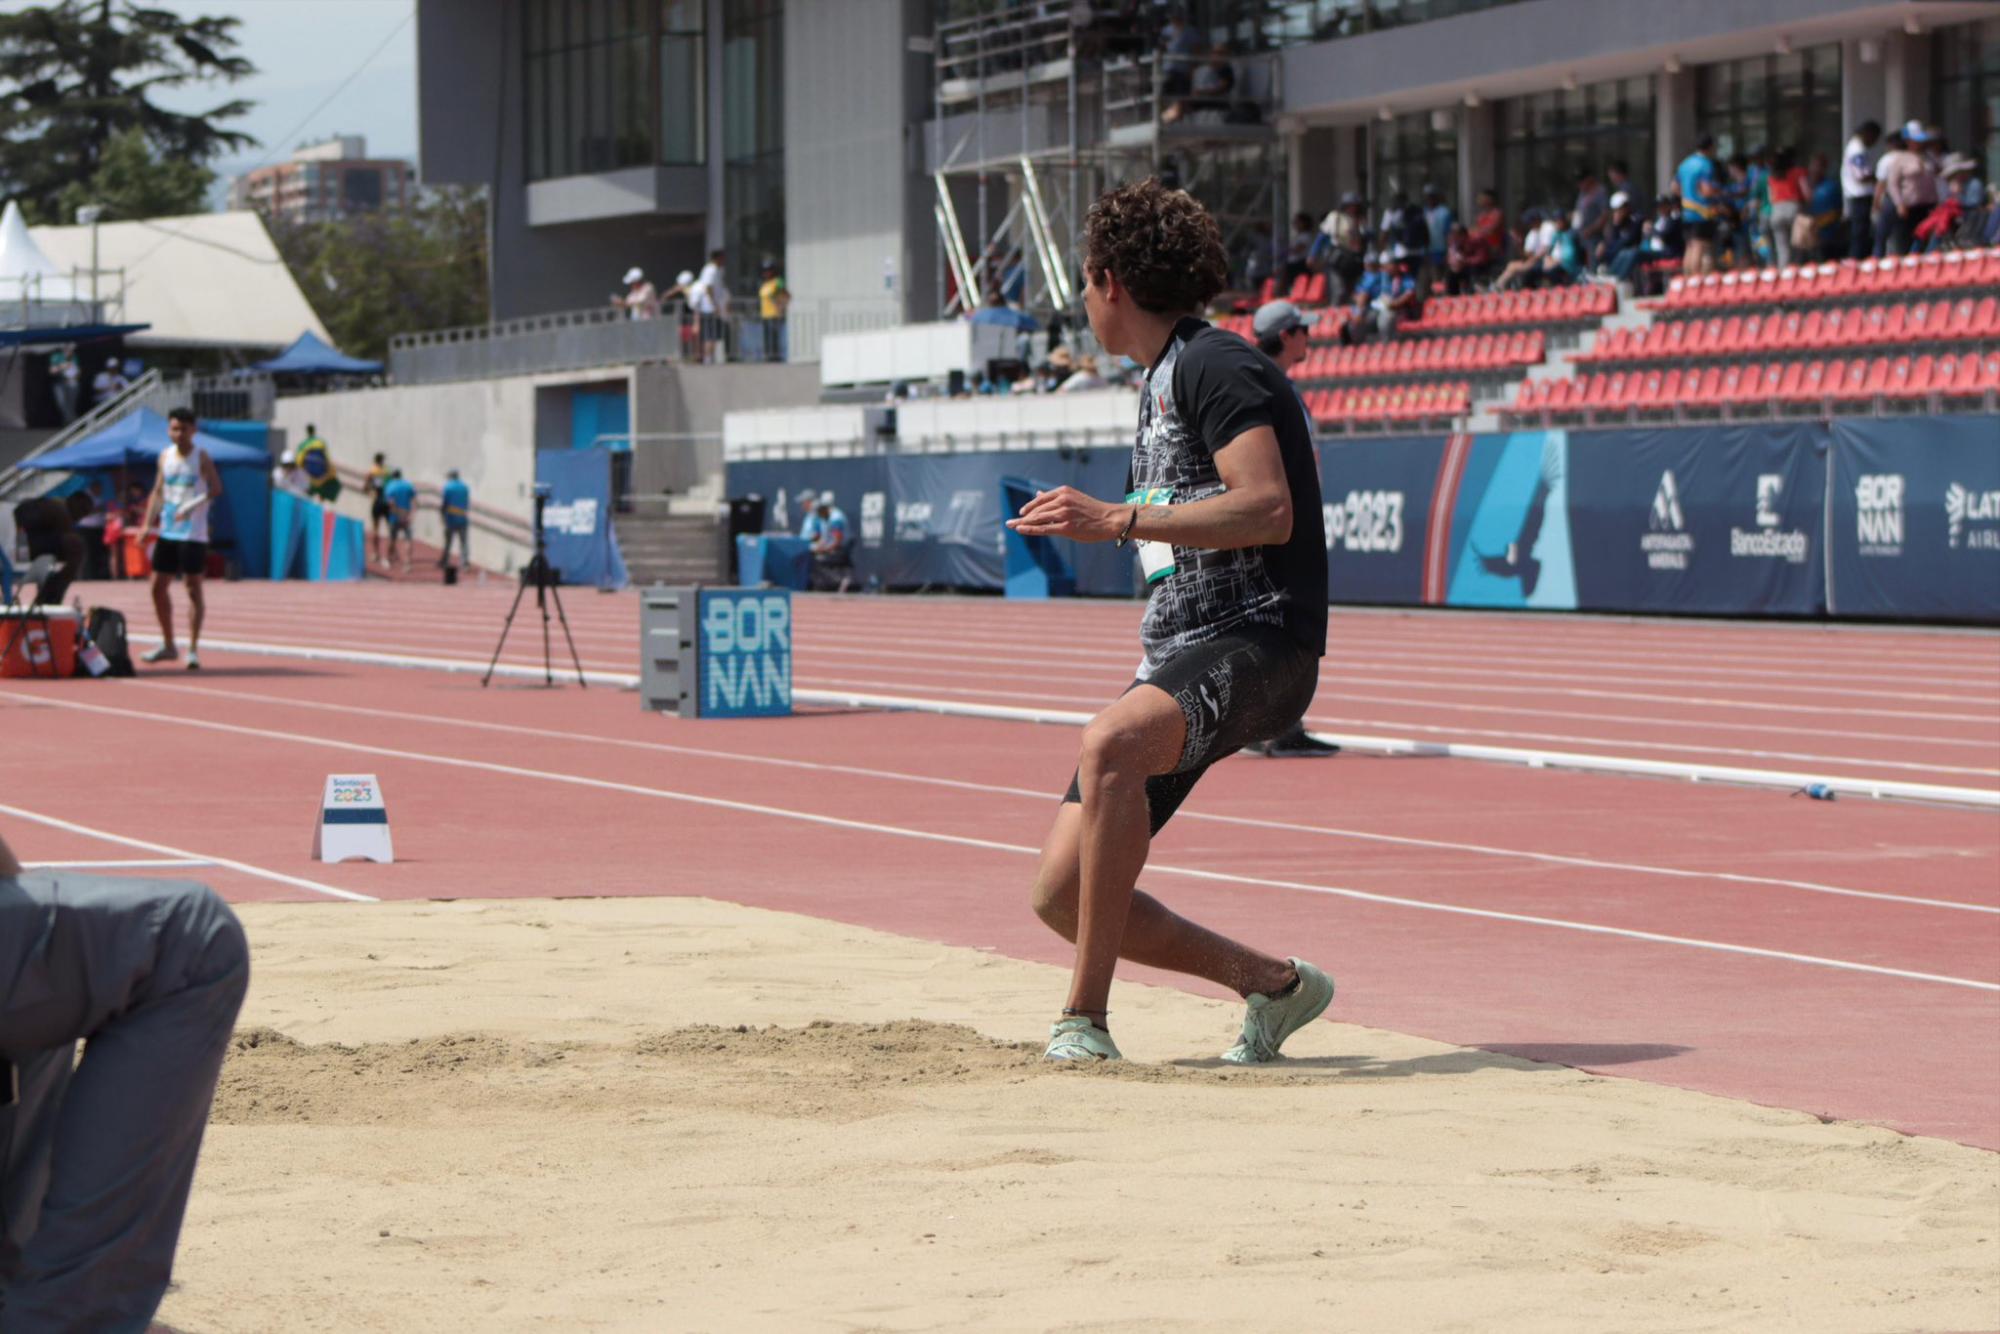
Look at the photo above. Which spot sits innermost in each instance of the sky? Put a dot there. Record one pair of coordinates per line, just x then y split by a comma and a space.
303, 49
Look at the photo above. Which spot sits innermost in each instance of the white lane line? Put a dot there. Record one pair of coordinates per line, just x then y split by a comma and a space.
937, 646
125, 864
960, 840
1042, 795
191, 858
1373, 744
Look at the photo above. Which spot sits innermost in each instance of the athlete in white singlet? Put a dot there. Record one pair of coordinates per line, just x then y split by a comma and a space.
186, 488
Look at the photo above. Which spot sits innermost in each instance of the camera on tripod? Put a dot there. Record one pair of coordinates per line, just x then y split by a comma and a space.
545, 579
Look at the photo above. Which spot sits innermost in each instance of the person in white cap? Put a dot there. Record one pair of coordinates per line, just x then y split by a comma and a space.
833, 557
640, 301
809, 525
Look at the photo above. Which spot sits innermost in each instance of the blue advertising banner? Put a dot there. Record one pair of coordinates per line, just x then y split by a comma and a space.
1709, 519
577, 517
746, 653
1378, 516
1914, 518
920, 520
1510, 537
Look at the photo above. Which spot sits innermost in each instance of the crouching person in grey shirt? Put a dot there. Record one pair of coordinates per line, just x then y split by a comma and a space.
96, 1155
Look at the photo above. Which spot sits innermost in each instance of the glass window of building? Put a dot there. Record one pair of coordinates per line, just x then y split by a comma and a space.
753, 135
1546, 141
1775, 102
1966, 84
611, 84
1411, 152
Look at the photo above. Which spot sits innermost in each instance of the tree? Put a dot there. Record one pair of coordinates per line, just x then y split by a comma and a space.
132, 181
79, 76
376, 275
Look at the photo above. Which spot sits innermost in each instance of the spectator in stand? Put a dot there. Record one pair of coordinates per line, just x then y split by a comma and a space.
710, 299
1299, 251
1347, 226
773, 300
1084, 378
1736, 223
1823, 210
1438, 222
1411, 231
1756, 210
1538, 233
1621, 245
1458, 266
1180, 45
1593, 208
1486, 238
1562, 261
1909, 189
1955, 220
1366, 290
1857, 189
639, 300
1787, 187
1701, 206
1618, 180
680, 298
1209, 88
1666, 240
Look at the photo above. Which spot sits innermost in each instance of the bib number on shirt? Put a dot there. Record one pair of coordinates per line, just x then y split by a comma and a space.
1155, 558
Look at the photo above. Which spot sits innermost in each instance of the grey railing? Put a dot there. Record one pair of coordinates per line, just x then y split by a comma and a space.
21, 481
583, 339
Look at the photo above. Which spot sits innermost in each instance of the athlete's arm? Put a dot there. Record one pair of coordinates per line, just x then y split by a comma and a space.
153, 502
1256, 510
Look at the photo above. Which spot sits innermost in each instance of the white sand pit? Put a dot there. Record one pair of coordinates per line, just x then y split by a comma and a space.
667, 1114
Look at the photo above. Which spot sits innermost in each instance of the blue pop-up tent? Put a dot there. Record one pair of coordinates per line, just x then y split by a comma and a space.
133, 443
311, 356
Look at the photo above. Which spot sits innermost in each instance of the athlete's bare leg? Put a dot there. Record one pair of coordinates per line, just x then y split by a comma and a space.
197, 608
1086, 887
163, 606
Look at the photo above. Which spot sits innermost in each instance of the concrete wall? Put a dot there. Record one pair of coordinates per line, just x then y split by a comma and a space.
669, 399
485, 429
855, 195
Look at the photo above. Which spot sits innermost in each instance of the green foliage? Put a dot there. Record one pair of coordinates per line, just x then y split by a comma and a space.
134, 182
376, 275
78, 77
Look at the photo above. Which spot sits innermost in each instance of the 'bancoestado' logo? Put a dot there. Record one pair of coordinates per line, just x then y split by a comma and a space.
1770, 538
1878, 513
1668, 543
578, 518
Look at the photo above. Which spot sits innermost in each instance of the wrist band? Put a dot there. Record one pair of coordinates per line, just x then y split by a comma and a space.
1130, 524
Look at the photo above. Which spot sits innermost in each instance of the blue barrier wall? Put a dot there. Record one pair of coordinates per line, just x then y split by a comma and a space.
1914, 514
1889, 517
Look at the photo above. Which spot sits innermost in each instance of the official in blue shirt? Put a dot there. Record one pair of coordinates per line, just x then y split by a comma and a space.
402, 498
810, 526
1701, 200
833, 557
456, 502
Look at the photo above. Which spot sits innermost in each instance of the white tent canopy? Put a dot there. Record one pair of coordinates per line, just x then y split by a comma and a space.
210, 280
25, 271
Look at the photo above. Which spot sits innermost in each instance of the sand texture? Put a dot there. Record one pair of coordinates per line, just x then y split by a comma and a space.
678, 1114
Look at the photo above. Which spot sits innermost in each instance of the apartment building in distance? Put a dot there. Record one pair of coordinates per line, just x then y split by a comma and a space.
327, 181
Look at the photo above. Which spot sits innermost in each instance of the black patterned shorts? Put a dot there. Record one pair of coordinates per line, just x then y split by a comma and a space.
1235, 690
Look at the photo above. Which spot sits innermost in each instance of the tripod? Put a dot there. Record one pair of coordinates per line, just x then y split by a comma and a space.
547, 581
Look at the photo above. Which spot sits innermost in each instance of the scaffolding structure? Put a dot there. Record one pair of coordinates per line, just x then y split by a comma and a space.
1034, 114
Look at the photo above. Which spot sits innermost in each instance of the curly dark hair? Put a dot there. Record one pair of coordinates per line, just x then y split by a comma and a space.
1161, 245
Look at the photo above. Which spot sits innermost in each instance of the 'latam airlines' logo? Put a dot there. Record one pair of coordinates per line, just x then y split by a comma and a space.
1972, 518
1669, 544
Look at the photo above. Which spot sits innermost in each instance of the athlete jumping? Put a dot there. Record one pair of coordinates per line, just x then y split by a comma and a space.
1223, 501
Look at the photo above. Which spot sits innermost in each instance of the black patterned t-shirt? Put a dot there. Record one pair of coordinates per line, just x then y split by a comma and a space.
1207, 388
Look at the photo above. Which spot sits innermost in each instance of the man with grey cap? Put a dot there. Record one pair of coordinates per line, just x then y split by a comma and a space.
1284, 336
96, 1155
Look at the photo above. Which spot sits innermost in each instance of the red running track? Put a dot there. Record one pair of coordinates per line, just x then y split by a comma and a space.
1841, 959
1909, 705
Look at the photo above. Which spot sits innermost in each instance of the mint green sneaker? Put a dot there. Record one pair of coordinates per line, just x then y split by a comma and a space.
1077, 1039
1272, 1019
